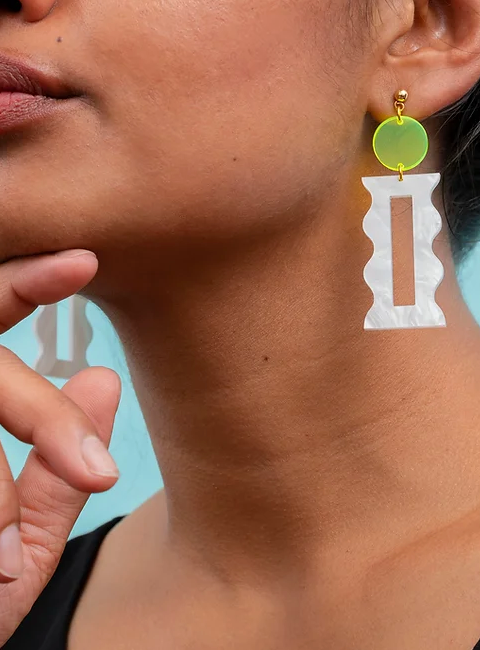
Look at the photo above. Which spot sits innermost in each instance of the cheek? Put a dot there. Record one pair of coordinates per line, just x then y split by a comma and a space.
214, 92
210, 117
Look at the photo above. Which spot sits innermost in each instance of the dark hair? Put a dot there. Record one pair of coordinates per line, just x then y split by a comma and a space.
460, 138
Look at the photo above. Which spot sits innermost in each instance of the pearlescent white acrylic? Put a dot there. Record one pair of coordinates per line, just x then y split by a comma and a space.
378, 272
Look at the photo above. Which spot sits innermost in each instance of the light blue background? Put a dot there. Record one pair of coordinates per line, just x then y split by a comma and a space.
130, 446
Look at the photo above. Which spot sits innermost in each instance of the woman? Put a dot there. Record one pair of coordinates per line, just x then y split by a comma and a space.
321, 482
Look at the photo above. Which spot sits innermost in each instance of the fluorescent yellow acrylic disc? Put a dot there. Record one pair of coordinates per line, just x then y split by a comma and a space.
400, 144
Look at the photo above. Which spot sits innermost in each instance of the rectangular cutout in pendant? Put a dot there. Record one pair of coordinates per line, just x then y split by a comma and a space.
401, 210
63, 329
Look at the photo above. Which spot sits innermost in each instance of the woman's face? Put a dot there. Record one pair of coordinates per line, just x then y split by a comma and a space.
200, 120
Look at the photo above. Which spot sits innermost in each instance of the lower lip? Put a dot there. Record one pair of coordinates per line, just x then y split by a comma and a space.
19, 109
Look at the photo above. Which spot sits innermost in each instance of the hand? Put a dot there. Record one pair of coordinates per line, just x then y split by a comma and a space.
69, 428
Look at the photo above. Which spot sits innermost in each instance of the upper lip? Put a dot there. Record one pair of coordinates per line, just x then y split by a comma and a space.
18, 76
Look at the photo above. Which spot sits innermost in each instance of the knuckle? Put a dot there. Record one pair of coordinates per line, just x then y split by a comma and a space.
14, 308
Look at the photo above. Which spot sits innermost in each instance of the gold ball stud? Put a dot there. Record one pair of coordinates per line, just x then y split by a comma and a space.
401, 96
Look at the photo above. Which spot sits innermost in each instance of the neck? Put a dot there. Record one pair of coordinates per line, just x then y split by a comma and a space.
282, 428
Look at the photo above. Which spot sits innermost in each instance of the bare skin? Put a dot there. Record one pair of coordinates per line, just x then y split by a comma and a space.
321, 482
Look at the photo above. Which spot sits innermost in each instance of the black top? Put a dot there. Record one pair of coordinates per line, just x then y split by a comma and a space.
47, 624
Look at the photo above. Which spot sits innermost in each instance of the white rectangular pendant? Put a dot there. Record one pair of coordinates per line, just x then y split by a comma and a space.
46, 330
378, 272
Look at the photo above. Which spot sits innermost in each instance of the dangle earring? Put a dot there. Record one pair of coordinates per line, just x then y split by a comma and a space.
401, 143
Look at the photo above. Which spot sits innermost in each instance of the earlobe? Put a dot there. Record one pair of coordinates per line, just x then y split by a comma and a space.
437, 60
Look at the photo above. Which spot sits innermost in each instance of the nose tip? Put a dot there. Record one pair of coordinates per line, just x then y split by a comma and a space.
32, 10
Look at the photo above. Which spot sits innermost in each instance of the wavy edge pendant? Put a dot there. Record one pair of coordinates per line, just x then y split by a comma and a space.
429, 270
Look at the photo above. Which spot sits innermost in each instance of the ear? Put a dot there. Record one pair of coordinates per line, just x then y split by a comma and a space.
431, 48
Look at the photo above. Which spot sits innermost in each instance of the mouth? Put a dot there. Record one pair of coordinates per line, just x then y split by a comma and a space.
28, 93
17, 76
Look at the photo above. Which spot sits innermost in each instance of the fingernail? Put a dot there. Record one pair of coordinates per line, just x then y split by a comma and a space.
97, 458
11, 552
74, 253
